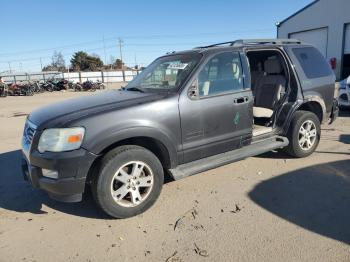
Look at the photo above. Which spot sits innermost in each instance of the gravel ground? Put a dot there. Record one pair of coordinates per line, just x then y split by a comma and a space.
265, 208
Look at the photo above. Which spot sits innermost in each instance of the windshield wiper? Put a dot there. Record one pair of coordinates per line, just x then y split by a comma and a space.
134, 89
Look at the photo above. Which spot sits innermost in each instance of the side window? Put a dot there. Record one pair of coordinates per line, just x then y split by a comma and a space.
222, 74
312, 62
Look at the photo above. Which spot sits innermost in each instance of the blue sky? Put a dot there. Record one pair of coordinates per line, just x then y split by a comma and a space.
35, 29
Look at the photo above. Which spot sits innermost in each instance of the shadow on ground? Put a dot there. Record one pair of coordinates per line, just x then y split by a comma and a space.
277, 154
316, 198
18, 195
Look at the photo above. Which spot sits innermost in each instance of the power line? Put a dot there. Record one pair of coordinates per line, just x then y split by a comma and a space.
110, 47
135, 44
146, 37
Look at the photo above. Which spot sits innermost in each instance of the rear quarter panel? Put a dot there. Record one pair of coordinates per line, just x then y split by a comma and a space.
319, 89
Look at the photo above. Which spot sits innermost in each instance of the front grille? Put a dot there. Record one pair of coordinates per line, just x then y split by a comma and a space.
28, 133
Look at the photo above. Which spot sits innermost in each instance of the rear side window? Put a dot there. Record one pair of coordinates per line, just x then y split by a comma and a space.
313, 63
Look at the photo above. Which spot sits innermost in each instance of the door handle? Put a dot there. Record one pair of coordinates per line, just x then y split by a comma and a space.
241, 100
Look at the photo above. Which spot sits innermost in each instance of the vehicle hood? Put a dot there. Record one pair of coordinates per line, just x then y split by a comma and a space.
62, 113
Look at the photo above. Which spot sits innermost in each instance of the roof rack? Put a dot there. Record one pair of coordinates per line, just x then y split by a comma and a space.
241, 42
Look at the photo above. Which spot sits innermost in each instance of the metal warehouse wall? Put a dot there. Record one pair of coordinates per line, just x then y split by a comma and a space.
332, 14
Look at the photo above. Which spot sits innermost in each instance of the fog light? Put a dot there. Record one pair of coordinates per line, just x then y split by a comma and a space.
49, 173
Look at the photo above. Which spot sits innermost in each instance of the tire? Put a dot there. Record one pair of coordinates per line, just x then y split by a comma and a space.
305, 119
107, 181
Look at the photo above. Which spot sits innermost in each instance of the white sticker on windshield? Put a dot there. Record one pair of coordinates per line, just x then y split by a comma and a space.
177, 66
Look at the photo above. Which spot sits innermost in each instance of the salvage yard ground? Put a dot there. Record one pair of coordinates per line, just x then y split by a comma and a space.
265, 208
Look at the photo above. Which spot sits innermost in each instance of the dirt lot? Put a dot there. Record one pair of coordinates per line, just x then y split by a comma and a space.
265, 208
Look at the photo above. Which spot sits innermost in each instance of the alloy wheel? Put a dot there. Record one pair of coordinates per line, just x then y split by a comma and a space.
132, 184
307, 135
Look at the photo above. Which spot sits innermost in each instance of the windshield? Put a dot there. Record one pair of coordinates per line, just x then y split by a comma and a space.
166, 72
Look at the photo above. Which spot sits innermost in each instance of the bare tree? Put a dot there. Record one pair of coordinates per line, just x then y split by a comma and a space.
57, 63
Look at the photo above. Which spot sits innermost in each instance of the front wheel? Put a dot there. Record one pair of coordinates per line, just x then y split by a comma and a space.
129, 182
304, 134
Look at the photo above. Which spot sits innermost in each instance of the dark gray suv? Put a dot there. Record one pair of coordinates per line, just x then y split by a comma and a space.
187, 112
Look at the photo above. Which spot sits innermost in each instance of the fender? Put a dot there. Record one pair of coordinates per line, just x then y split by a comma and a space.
98, 145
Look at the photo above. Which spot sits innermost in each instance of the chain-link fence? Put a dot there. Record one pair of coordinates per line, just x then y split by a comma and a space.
103, 76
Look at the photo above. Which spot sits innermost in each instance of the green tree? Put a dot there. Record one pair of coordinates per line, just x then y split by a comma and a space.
82, 61
119, 63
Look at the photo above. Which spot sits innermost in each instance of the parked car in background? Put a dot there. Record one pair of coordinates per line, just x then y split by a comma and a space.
344, 93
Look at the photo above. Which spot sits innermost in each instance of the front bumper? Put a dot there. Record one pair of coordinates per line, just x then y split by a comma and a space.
72, 168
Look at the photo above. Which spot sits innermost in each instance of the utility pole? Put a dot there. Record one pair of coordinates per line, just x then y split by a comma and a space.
41, 64
121, 42
68, 71
121, 57
104, 49
10, 67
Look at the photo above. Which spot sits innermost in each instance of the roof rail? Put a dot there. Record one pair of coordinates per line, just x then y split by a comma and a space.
240, 42
274, 41
229, 43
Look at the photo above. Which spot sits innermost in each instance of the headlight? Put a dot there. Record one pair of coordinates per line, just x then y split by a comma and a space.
61, 139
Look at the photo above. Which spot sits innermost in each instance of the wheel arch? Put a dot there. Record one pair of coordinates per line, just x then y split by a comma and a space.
152, 144
312, 104
155, 140
314, 107
156, 146
160, 138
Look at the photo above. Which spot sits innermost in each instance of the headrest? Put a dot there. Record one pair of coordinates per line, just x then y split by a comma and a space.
272, 66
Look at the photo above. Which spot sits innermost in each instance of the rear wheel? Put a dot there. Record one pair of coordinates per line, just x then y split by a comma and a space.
129, 182
304, 134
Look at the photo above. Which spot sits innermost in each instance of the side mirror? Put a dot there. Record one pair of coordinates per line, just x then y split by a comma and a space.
193, 90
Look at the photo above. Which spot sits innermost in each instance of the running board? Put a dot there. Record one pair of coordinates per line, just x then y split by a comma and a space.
204, 164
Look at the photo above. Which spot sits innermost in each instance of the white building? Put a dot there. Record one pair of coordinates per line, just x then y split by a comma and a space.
326, 25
